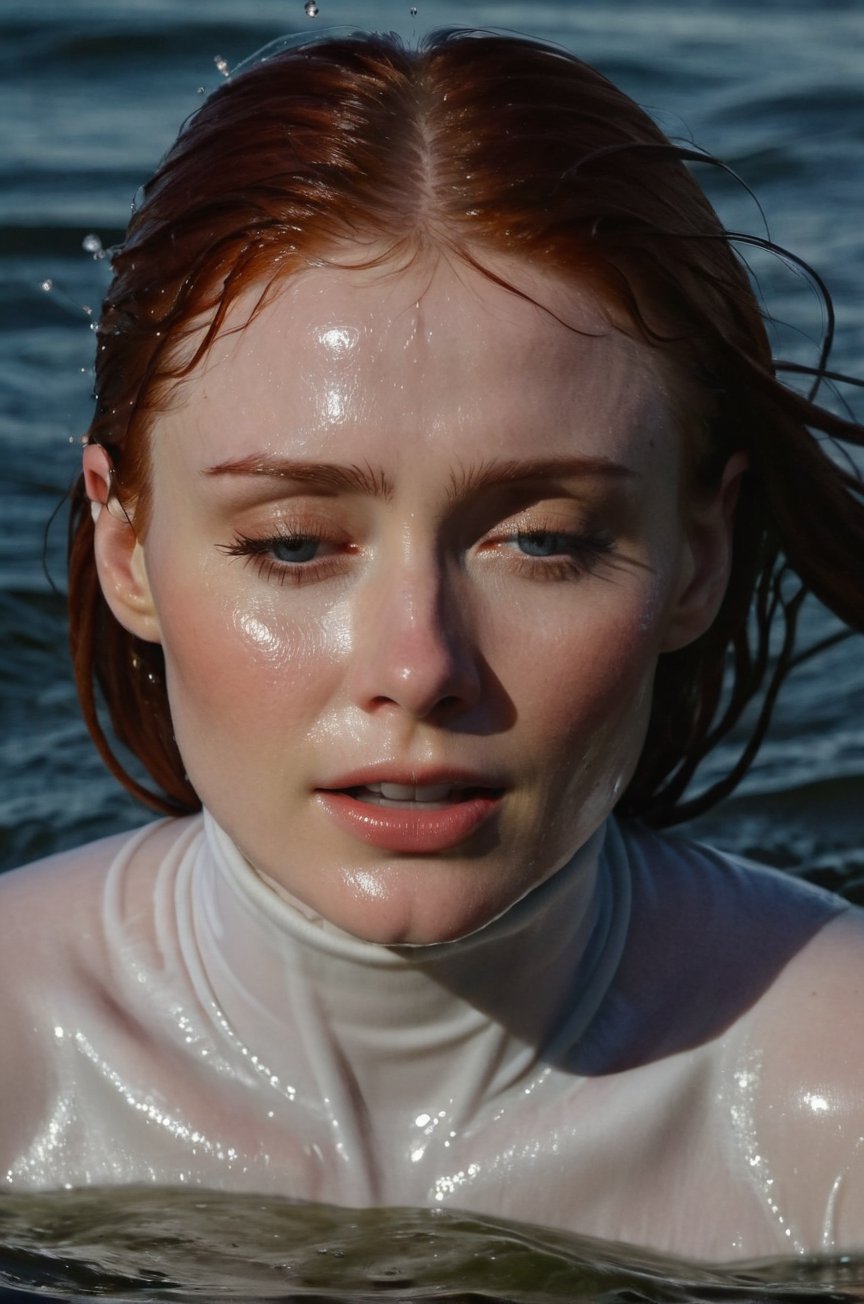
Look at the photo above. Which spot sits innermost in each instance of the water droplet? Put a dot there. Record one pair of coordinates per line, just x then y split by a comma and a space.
93, 245
47, 285
413, 11
310, 9
222, 65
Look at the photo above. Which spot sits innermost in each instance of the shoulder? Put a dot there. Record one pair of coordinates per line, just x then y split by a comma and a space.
61, 878
764, 975
709, 936
817, 1002
694, 893
796, 1079
65, 920
89, 860
66, 926
662, 862
53, 911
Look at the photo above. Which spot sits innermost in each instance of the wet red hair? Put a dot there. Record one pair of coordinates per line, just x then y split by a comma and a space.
480, 143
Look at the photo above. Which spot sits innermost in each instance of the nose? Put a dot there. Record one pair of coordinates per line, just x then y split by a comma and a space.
414, 649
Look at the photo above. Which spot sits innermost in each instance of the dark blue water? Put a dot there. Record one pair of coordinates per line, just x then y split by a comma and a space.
90, 96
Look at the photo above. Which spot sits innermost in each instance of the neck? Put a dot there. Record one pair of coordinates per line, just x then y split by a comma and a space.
400, 1028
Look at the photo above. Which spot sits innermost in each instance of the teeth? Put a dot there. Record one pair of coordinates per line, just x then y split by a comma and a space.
410, 791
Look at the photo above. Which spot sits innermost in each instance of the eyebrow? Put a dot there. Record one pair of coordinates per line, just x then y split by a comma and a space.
333, 477
321, 475
468, 480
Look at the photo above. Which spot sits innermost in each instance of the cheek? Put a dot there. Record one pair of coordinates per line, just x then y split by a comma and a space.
595, 739
588, 693
243, 664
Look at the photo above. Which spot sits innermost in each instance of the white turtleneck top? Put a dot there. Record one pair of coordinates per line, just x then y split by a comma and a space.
659, 1045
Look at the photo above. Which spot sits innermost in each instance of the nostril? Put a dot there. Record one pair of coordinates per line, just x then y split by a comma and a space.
450, 703
414, 651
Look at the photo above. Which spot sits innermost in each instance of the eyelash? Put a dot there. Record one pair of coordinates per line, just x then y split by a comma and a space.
586, 551
256, 550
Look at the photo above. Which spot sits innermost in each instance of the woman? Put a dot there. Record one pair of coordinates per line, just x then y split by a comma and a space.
439, 461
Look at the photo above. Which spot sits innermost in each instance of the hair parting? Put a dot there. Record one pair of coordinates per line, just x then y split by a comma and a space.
482, 145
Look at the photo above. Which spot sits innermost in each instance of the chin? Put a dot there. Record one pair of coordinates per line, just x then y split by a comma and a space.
393, 914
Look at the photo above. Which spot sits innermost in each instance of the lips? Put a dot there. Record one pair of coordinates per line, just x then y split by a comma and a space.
403, 814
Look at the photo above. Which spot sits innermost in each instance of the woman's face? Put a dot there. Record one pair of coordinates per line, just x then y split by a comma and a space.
415, 547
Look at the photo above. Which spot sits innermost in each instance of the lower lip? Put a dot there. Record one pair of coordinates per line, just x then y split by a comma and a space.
393, 829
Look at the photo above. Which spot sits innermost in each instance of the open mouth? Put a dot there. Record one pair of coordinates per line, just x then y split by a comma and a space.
431, 796
411, 817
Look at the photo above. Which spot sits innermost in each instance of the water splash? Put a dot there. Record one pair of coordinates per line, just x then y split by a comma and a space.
222, 65
311, 9
91, 244
50, 286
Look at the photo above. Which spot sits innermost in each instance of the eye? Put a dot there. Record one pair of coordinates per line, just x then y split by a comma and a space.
293, 547
548, 543
288, 547
557, 554
289, 556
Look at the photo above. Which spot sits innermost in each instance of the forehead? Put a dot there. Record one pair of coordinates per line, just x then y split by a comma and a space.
425, 354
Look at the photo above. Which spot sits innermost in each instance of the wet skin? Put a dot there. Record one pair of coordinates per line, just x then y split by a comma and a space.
407, 527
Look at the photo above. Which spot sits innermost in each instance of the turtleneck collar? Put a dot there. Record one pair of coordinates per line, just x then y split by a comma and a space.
525, 986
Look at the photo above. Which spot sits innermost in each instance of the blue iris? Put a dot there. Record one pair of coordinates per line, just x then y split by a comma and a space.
295, 548
543, 543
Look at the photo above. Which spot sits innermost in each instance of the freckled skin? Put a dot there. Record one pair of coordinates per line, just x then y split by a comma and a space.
420, 634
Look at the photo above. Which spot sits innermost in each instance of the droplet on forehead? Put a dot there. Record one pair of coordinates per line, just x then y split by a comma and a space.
311, 9
221, 64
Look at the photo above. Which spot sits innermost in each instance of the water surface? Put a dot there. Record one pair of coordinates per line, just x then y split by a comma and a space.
158, 1245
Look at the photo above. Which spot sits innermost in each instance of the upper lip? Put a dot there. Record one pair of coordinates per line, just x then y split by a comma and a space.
419, 776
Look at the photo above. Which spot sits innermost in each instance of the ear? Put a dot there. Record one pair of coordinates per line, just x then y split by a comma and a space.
708, 526
118, 550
